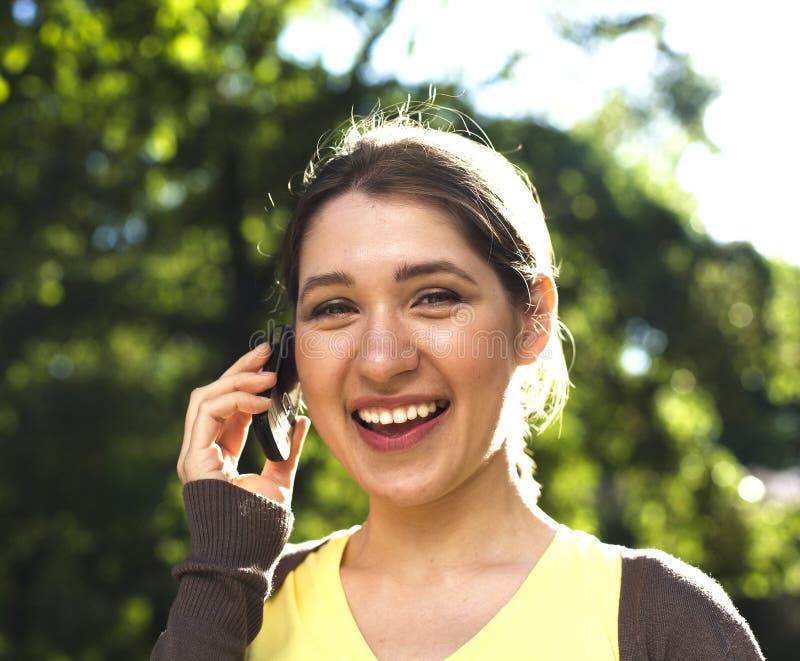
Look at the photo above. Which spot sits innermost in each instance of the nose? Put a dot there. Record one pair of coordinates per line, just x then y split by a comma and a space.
387, 349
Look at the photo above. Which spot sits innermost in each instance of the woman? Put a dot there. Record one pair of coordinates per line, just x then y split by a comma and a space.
427, 341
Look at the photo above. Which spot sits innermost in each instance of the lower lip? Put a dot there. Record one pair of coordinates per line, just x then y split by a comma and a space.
405, 441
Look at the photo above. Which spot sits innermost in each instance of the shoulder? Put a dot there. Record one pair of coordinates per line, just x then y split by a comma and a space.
294, 554
671, 610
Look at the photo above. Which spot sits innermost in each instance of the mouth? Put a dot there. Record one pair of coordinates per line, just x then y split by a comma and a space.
400, 420
378, 429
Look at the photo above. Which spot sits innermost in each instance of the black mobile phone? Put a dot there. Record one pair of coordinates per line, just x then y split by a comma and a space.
274, 427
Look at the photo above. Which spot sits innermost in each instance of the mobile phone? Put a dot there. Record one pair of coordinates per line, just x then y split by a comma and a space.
274, 427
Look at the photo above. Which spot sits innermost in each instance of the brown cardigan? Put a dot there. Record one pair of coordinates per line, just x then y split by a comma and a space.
667, 610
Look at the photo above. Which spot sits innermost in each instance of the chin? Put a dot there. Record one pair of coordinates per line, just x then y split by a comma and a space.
400, 486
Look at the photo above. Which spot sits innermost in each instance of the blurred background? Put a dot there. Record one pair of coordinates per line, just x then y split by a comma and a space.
139, 142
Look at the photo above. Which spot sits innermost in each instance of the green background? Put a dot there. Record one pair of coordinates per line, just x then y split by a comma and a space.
138, 143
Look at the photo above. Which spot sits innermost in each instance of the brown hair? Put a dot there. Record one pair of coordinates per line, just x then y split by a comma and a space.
495, 202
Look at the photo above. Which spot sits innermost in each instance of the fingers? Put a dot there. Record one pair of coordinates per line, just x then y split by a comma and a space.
213, 416
249, 382
233, 434
246, 381
277, 477
284, 471
218, 417
251, 361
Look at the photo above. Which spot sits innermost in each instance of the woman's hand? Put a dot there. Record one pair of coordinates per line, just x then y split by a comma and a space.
217, 421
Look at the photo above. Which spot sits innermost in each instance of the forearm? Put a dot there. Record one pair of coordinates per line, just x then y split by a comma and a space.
236, 538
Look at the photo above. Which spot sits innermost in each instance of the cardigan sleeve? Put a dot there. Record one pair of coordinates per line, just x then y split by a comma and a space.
671, 611
236, 538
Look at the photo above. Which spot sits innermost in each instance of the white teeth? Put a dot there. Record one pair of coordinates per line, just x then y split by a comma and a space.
425, 410
400, 414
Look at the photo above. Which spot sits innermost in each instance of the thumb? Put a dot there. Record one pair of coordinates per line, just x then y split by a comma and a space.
288, 468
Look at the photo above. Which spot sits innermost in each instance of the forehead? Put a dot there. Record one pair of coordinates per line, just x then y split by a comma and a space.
355, 230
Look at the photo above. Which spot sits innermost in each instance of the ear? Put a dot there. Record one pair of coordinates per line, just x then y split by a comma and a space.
537, 320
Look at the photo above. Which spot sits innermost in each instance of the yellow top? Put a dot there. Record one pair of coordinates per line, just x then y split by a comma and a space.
565, 609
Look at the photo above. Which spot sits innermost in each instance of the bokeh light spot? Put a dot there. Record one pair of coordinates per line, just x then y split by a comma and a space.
584, 207
161, 144
24, 12
60, 366
740, 315
571, 181
97, 163
51, 293
18, 376
134, 230
635, 360
724, 473
682, 381
171, 195
751, 489
188, 50
233, 56
105, 237
16, 58
149, 46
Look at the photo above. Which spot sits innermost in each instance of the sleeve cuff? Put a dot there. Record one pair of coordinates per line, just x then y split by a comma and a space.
232, 526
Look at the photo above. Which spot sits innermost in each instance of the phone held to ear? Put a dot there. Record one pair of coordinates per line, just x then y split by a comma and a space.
274, 427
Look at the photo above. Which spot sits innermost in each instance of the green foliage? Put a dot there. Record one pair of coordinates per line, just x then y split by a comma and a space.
677, 89
140, 141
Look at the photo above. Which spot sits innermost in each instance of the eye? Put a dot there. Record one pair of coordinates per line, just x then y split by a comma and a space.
438, 298
331, 310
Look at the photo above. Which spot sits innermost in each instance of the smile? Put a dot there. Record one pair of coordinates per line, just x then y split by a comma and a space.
398, 428
373, 417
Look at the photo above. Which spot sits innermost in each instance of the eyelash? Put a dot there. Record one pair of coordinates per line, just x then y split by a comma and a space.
324, 309
444, 296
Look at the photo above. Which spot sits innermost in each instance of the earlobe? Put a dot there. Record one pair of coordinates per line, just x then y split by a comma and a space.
537, 320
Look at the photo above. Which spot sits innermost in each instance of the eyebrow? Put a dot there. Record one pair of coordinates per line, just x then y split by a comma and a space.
402, 273
408, 271
324, 280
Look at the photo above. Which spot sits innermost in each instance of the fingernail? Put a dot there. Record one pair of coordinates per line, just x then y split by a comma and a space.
262, 348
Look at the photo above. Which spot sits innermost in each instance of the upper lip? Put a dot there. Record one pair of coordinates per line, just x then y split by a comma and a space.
377, 402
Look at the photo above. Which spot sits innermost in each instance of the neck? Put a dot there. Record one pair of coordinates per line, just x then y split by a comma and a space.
491, 519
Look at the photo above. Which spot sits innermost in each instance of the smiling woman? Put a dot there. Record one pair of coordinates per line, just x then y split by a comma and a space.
427, 346
491, 209
397, 306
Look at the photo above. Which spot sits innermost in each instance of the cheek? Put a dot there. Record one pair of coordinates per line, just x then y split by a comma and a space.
488, 352
314, 376
322, 360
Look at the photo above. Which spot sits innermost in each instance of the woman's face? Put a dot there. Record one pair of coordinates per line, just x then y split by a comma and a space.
396, 315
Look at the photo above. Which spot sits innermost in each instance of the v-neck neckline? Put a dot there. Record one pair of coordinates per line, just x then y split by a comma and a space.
349, 634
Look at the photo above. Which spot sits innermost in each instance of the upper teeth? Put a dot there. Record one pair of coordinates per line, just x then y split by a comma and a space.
399, 414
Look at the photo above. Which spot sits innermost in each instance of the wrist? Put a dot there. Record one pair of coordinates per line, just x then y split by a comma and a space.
231, 525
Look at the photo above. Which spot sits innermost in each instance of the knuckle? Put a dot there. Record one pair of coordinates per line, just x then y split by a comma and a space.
196, 394
246, 383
